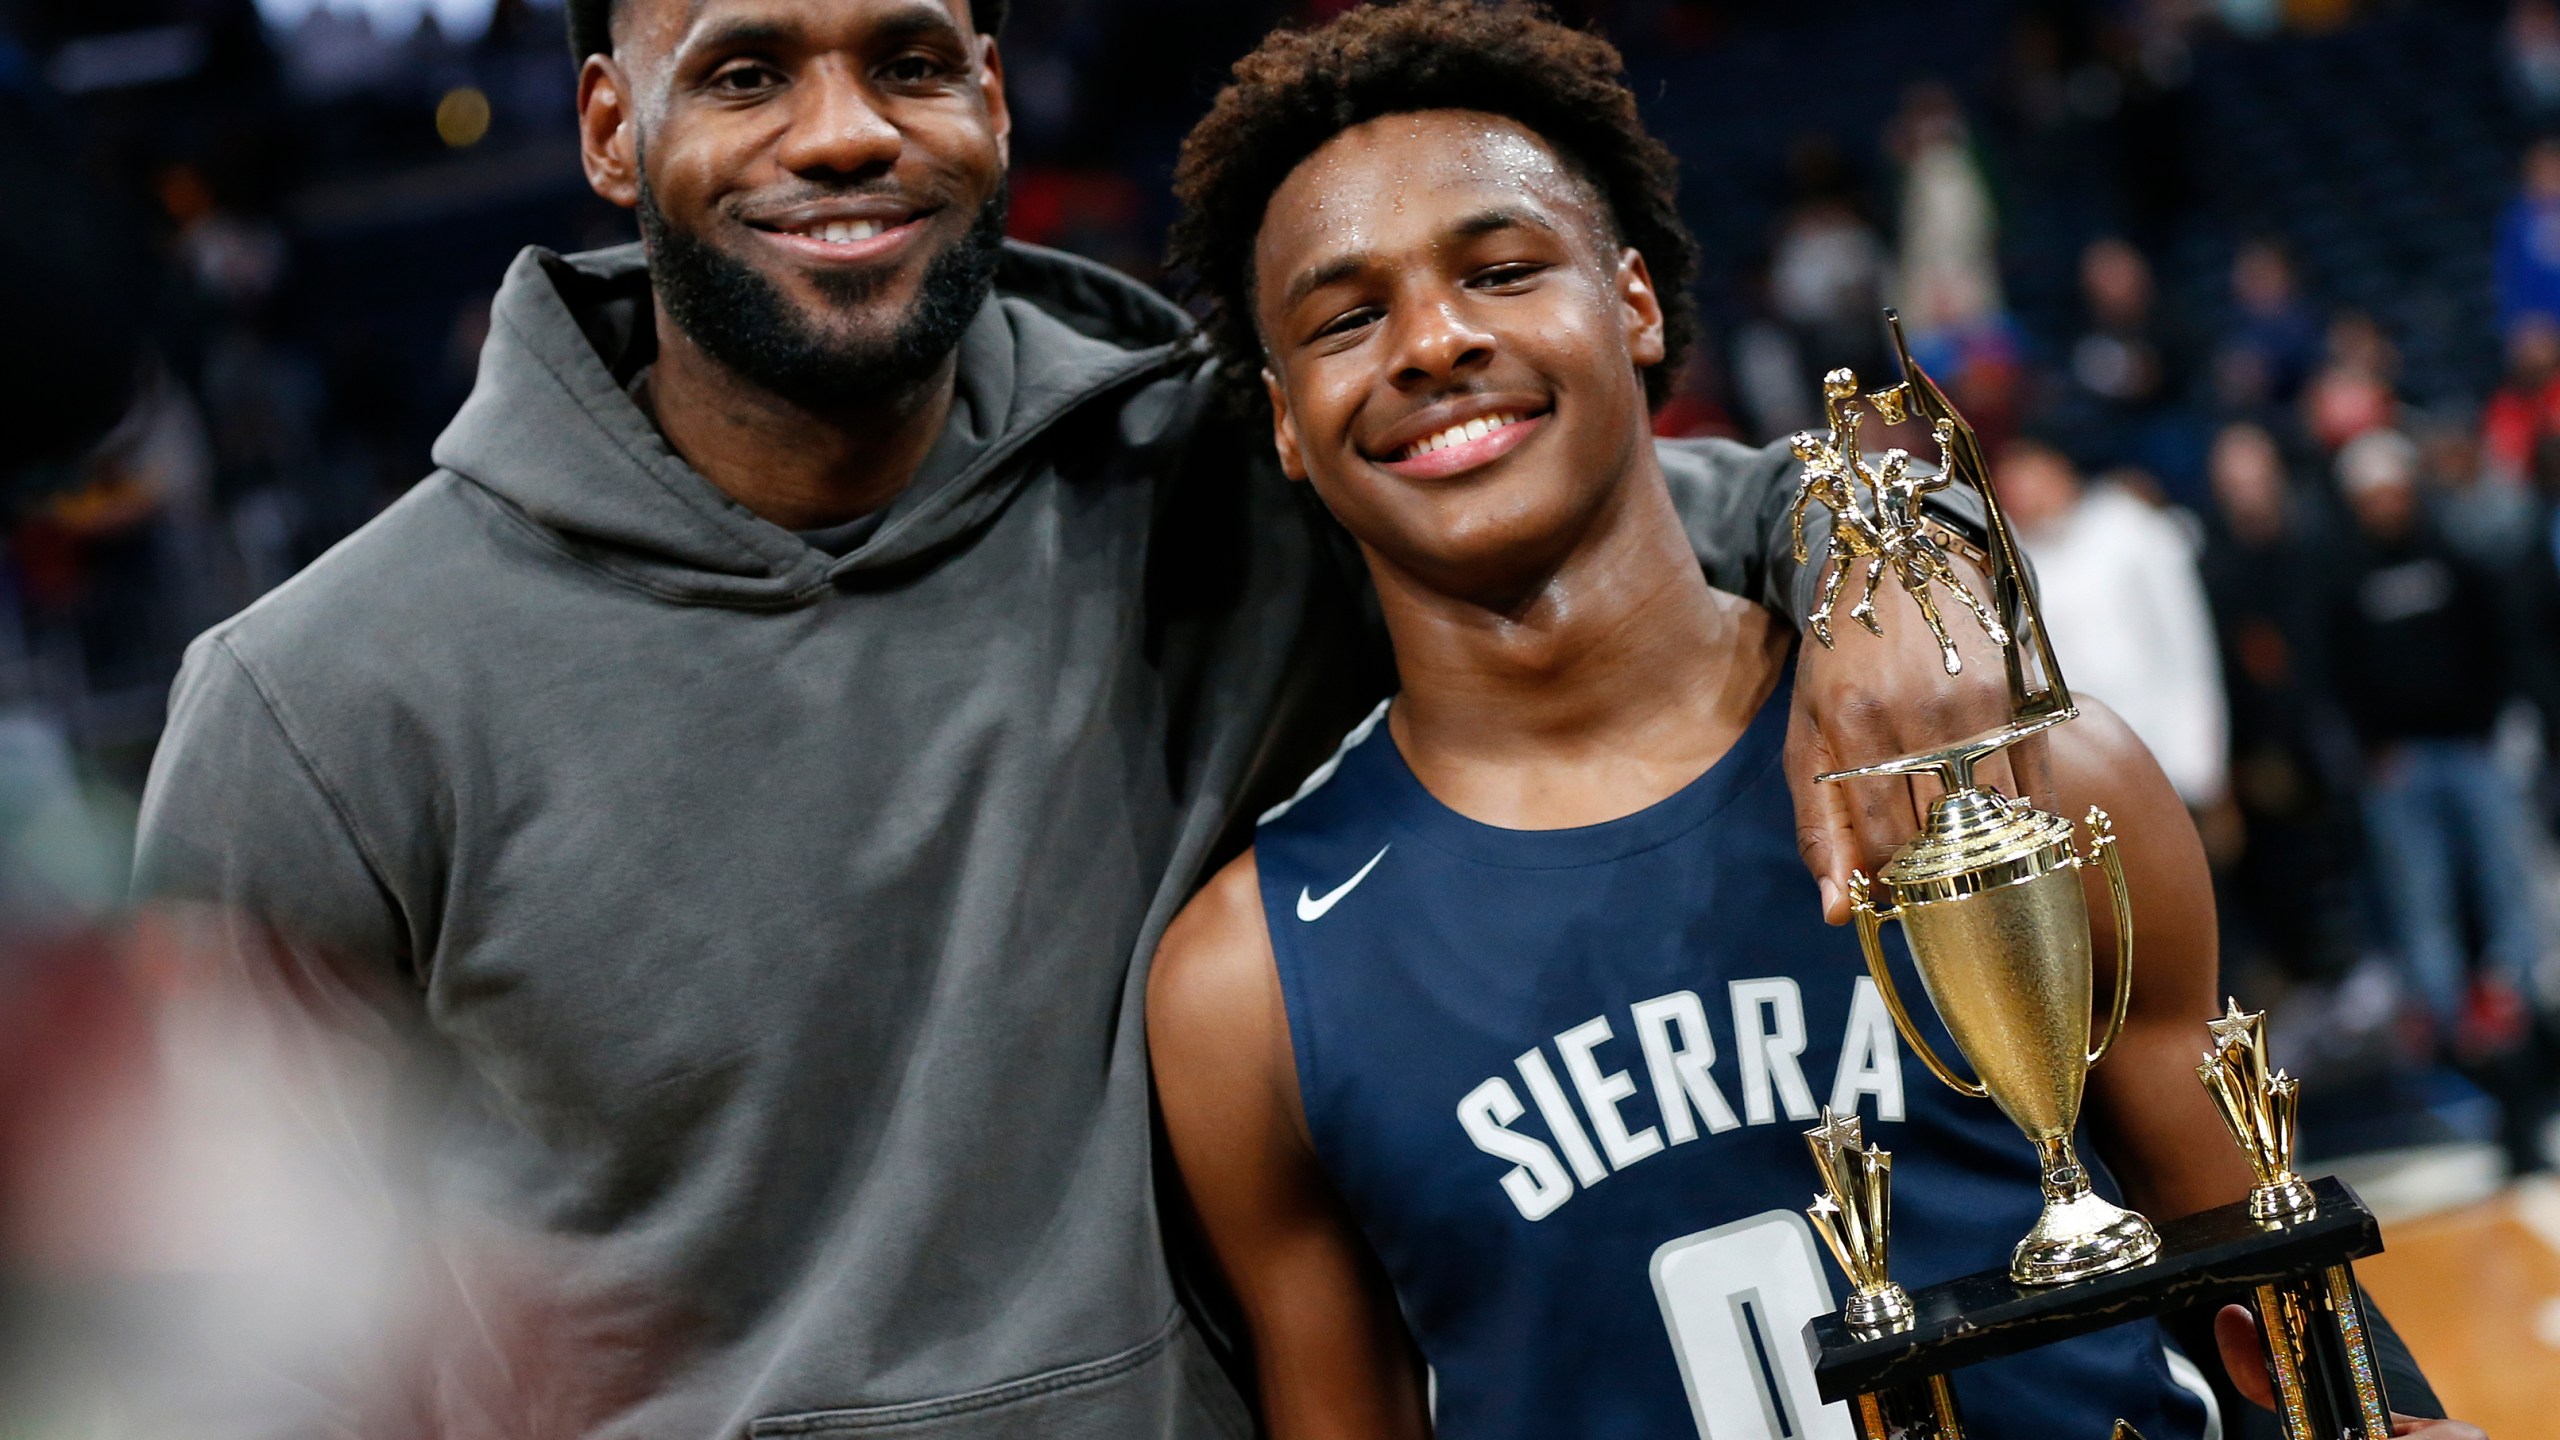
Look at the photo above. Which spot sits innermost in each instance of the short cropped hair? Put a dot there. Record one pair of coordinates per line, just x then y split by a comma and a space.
1303, 87
591, 24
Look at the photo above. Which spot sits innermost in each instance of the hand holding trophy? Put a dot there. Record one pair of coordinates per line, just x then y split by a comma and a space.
1990, 901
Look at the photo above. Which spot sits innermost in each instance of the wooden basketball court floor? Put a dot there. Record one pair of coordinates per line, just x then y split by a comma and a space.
2476, 1292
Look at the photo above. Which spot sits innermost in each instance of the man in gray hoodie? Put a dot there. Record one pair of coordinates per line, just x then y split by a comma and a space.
732, 790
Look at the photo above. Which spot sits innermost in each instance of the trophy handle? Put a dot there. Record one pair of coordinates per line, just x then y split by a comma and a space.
1871, 940
2102, 848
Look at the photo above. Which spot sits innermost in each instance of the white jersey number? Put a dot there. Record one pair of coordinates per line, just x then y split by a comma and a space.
1736, 1299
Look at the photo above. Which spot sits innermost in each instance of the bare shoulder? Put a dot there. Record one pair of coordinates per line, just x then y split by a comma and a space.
1213, 996
1217, 949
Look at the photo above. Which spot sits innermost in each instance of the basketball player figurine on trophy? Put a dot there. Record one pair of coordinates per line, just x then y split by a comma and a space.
1990, 901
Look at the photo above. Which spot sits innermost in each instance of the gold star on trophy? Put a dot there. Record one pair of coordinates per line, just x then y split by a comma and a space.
2258, 1108
1854, 1213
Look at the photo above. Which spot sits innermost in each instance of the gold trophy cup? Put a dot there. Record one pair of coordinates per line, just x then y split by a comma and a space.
1989, 893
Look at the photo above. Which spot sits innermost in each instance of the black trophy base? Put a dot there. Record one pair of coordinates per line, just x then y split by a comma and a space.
2295, 1272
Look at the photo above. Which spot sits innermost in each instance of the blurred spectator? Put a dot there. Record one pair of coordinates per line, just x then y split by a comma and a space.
2487, 513
2537, 589
1827, 276
2422, 669
2532, 54
1949, 277
1770, 379
2290, 894
2274, 339
2528, 265
2353, 392
1828, 267
2117, 582
2526, 407
2129, 369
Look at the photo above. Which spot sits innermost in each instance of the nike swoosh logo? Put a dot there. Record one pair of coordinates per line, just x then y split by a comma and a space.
1312, 907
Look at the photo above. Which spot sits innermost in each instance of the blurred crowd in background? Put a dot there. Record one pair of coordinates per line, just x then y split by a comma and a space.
2255, 302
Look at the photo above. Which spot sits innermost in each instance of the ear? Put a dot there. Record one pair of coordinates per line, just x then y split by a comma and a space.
991, 93
608, 134
1284, 436
1640, 310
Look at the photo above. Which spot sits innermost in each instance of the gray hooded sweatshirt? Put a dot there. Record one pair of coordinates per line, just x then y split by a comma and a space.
758, 934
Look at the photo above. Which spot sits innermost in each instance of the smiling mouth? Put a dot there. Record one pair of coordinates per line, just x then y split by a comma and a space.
843, 237
841, 232
1460, 434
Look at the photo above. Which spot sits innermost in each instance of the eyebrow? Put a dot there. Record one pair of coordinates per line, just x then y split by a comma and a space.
1488, 221
743, 34
1497, 218
914, 22
1331, 272
919, 22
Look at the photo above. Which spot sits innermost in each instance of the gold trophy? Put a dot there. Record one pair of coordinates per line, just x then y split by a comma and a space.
1854, 1214
1989, 896
1988, 892
2311, 1326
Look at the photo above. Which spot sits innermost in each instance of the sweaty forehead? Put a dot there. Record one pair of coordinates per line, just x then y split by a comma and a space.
1400, 181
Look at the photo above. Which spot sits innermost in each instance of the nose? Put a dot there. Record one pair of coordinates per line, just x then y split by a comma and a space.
836, 129
1437, 340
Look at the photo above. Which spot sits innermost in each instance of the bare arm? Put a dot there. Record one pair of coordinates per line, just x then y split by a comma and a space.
2154, 1122
1330, 1348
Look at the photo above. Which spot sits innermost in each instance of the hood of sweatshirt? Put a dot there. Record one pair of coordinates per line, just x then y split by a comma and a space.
551, 429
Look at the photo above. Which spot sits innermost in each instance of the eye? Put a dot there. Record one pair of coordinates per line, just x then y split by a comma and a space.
745, 77
1346, 322
1505, 275
914, 69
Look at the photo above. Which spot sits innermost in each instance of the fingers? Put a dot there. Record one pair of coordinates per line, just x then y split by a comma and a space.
1883, 816
1824, 835
2030, 765
2435, 1429
2025, 768
1867, 699
2235, 1334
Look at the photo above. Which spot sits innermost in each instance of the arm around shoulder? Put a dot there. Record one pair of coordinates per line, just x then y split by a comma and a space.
1330, 1347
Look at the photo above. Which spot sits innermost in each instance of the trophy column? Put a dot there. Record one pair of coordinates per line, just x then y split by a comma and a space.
1854, 1215
2318, 1358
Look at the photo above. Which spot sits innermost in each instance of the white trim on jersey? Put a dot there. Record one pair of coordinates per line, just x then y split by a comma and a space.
1324, 772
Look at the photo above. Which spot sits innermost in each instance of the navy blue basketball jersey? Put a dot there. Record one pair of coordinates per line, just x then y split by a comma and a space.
1562, 1078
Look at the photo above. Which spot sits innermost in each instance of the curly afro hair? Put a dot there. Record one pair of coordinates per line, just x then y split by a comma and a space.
1303, 87
591, 24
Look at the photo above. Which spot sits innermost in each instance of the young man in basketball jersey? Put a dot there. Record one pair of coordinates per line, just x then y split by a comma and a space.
1487, 1068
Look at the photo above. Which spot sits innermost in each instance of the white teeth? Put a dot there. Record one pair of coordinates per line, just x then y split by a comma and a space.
845, 232
1475, 429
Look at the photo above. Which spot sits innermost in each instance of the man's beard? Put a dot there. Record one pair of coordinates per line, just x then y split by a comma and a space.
741, 319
